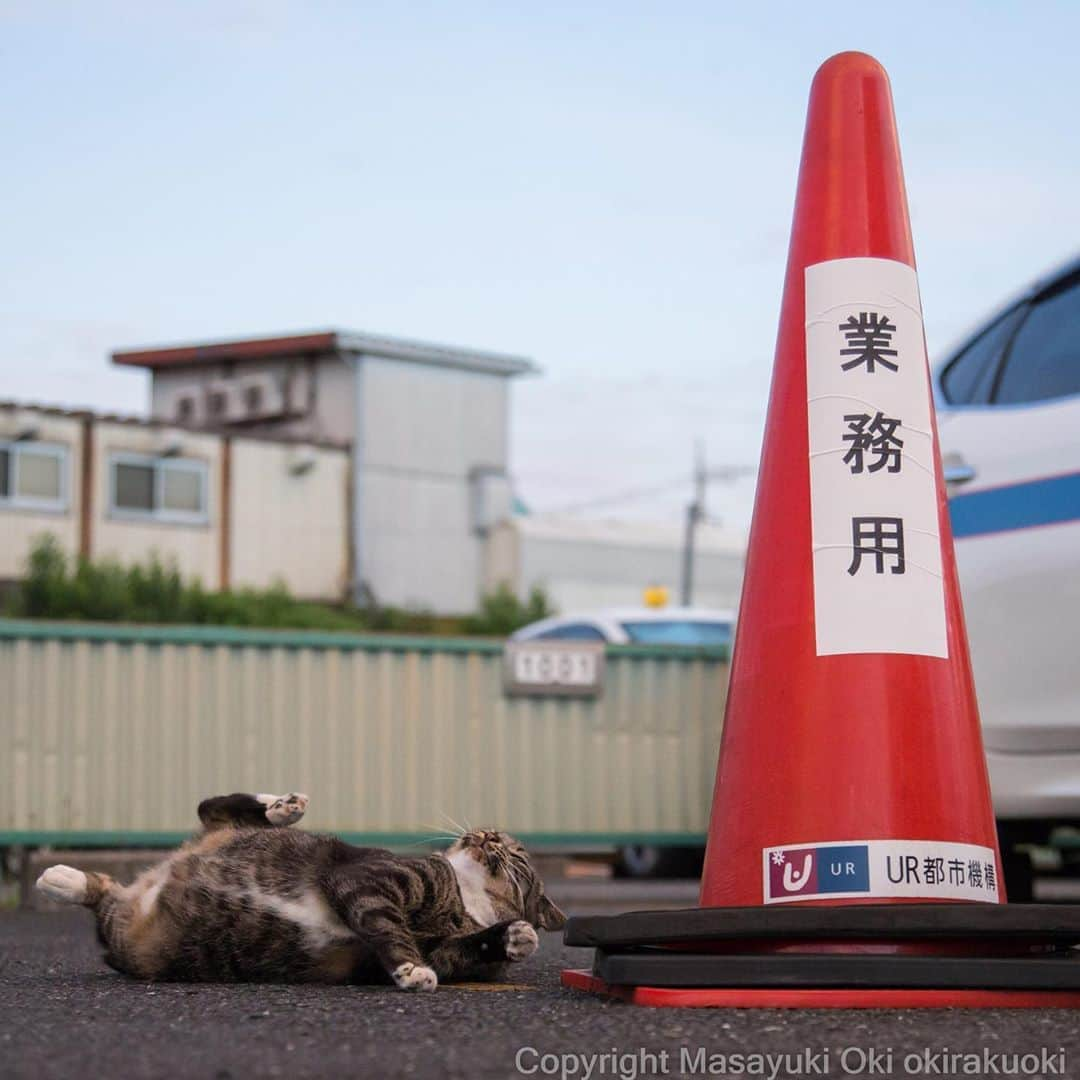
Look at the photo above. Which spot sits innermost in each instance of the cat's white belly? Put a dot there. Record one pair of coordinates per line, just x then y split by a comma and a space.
310, 912
322, 927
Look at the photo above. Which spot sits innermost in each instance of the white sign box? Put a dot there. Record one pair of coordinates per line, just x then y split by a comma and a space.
554, 668
876, 547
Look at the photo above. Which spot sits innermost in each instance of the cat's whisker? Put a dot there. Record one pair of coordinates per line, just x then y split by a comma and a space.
503, 859
439, 829
456, 825
514, 881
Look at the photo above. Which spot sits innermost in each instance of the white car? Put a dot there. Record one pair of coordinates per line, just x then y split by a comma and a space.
636, 626
1009, 420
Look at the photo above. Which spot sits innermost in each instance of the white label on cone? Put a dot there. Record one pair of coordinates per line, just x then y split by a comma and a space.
925, 869
877, 551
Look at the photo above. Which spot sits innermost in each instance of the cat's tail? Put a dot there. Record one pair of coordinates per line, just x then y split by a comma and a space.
67, 885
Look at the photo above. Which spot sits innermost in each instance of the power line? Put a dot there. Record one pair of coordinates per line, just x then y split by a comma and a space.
618, 497
701, 476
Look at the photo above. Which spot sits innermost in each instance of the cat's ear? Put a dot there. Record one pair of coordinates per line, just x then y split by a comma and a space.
549, 917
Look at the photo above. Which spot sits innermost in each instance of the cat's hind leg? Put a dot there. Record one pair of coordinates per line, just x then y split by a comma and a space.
252, 811
284, 809
67, 885
136, 938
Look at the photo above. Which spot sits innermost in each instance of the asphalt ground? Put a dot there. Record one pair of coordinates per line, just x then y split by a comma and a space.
64, 1014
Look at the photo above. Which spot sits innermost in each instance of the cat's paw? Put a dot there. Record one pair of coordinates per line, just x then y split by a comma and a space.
520, 941
414, 977
64, 884
284, 809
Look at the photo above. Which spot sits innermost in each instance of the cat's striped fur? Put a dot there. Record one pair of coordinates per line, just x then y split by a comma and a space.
250, 901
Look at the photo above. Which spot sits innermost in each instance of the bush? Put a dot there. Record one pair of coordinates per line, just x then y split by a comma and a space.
46, 591
501, 612
104, 591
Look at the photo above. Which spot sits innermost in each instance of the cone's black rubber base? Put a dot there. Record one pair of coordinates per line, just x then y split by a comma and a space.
849, 956
1015, 925
668, 967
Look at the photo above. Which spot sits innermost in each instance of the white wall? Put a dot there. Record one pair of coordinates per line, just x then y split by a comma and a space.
289, 525
194, 548
286, 524
334, 412
20, 527
423, 429
583, 564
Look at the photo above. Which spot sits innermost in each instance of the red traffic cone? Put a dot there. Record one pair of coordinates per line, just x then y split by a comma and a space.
852, 777
851, 765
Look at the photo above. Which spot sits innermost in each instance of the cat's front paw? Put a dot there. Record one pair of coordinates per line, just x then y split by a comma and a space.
520, 941
414, 977
284, 809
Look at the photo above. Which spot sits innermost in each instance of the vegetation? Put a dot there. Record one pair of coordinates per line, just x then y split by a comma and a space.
501, 612
56, 587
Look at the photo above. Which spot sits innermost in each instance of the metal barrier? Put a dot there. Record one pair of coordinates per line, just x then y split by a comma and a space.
110, 735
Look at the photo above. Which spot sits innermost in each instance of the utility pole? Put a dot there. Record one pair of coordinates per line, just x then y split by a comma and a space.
695, 512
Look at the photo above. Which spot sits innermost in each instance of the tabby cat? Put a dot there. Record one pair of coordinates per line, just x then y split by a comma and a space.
250, 899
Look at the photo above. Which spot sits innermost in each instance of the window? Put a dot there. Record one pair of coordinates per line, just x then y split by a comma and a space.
970, 377
571, 632
185, 410
679, 632
182, 490
133, 487
217, 403
253, 398
33, 476
1044, 360
165, 489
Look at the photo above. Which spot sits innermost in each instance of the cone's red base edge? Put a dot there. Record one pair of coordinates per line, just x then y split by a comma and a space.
720, 998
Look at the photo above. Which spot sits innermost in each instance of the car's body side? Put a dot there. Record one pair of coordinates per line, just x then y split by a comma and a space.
1009, 420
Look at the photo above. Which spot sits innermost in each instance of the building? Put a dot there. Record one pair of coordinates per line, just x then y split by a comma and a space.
584, 564
429, 432
340, 464
231, 510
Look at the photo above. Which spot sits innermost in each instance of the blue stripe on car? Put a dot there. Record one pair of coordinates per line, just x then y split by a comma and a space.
1048, 501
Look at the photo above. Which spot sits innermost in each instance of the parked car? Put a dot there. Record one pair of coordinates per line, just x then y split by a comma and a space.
636, 626
1009, 421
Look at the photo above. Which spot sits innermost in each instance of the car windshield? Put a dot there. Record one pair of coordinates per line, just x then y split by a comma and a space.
679, 632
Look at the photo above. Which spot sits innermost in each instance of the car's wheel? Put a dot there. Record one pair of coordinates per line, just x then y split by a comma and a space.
654, 861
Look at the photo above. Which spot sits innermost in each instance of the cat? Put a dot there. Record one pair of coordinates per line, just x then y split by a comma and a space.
253, 900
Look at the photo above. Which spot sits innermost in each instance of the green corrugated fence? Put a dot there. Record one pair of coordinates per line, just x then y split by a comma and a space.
112, 734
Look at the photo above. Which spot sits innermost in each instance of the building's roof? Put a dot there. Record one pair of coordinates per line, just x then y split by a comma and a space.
324, 343
258, 435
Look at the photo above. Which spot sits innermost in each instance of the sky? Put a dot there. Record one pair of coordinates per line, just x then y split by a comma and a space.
603, 187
